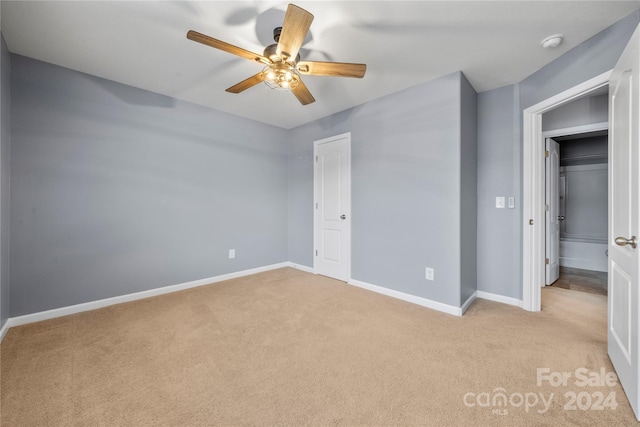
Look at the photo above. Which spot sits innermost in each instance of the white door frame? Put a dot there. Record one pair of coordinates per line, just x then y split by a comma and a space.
533, 188
316, 217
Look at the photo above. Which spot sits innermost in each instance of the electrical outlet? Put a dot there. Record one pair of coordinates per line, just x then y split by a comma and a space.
429, 273
511, 202
232, 253
500, 202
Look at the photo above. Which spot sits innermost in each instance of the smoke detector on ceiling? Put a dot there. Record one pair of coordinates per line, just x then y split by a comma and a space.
552, 41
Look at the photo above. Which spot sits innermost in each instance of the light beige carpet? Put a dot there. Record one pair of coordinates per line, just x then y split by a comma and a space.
289, 348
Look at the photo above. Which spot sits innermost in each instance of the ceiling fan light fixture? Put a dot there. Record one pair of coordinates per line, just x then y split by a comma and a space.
282, 76
282, 59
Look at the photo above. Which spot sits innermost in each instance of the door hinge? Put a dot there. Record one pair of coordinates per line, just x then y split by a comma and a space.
316, 205
546, 153
546, 207
546, 260
316, 252
316, 159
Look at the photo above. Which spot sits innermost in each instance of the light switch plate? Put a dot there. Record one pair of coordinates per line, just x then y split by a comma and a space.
429, 273
500, 202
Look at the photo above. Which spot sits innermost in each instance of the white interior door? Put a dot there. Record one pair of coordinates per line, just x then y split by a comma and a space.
332, 213
552, 200
624, 185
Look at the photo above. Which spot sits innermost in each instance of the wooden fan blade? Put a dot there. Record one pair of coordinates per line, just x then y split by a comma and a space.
218, 44
246, 84
302, 93
338, 69
297, 22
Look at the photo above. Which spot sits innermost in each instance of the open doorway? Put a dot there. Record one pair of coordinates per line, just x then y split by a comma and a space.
576, 193
578, 214
534, 206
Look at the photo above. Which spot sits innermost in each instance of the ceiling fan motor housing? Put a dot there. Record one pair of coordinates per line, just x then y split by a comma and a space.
271, 52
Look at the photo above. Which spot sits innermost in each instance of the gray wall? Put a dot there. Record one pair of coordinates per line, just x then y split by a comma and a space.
583, 111
117, 190
5, 151
468, 189
499, 244
591, 58
406, 184
584, 202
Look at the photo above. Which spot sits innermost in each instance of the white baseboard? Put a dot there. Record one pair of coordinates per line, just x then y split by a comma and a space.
499, 298
468, 302
584, 264
301, 267
79, 308
435, 305
4, 329
93, 305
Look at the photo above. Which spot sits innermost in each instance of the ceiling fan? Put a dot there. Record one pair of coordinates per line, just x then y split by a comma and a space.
282, 62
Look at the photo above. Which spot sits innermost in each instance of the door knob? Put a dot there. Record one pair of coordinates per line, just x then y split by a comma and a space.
343, 216
621, 241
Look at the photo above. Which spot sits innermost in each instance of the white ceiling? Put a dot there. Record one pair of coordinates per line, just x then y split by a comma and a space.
144, 44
